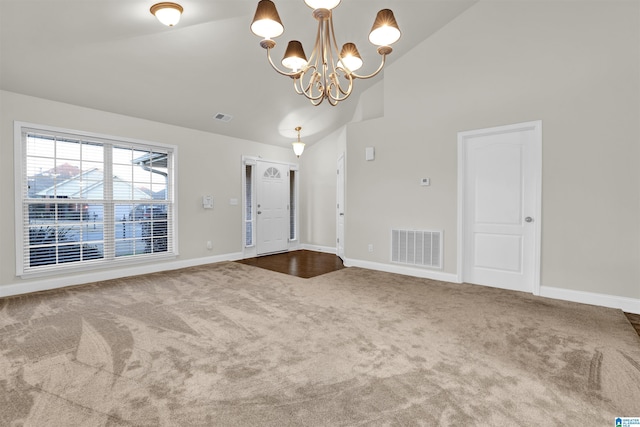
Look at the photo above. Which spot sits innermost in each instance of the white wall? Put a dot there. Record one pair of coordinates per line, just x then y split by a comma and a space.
208, 164
318, 190
573, 65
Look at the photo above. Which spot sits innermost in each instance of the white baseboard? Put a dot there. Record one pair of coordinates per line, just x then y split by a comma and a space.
316, 248
400, 269
97, 276
630, 305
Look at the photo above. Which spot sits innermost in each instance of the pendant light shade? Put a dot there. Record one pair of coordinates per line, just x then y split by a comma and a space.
385, 29
350, 57
322, 4
167, 13
294, 57
266, 22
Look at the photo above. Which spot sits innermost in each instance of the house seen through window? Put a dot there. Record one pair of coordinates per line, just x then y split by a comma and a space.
92, 200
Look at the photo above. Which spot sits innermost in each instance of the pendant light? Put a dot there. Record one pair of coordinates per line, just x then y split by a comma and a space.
298, 146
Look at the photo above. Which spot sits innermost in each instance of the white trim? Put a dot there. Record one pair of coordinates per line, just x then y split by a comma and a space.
18, 167
81, 279
341, 158
19, 215
316, 248
630, 305
536, 126
251, 251
398, 269
248, 251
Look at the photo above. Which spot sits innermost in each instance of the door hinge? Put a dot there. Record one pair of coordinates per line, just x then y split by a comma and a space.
337, 171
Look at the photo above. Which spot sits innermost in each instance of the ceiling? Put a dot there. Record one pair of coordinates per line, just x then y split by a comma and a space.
113, 55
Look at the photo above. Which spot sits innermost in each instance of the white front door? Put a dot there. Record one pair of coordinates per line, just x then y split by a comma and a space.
340, 209
500, 170
272, 208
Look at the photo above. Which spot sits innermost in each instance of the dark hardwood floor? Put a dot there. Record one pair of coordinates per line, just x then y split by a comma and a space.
307, 264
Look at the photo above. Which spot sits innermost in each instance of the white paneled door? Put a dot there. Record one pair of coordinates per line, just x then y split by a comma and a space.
340, 208
272, 208
500, 201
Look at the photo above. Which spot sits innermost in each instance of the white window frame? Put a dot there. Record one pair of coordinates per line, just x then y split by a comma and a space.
294, 204
252, 163
20, 175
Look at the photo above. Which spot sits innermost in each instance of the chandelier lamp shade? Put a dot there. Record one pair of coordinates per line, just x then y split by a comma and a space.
298, 146
167, 13
328, 73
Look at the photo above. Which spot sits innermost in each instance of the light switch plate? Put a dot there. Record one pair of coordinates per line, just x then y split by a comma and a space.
369, 153
207, 202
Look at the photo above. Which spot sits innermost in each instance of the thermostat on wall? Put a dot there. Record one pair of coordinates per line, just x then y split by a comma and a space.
207, 202
369, 153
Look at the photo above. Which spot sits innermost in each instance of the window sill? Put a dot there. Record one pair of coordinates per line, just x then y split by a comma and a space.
94, 265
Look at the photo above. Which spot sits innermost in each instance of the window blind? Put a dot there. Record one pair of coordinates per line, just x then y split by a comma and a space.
92, 200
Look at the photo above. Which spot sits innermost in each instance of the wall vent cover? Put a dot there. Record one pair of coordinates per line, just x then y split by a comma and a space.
419, 248
223, 117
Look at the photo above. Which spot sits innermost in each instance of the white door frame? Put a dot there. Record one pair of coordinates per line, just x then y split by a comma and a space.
340, 207
250, 251
536, 127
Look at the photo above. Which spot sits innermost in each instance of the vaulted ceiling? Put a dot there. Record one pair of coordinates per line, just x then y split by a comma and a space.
113, 55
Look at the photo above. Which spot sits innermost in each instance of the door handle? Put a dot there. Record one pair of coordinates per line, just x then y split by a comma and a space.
259, 212
341, 213
528, 219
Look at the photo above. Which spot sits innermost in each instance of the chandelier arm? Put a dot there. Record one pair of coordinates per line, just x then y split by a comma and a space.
334, 45
348, 91
375, 73
339, 90
294, 74
297, 82
307, 90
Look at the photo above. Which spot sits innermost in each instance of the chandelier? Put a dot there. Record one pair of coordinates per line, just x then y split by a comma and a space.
319, 77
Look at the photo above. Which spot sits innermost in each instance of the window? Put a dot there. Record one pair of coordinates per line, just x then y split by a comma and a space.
90, 200
293, 202
248, 205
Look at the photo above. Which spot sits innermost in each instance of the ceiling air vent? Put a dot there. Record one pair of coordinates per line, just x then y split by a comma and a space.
223, 117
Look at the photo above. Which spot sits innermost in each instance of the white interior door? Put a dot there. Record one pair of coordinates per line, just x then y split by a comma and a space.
501, 199
340, 208
272, 208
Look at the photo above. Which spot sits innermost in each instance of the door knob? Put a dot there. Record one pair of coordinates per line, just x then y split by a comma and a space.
259, 212
528, 219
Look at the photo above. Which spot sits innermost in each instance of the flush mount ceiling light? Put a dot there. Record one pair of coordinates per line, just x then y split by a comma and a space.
167, 13
318, 77
298, 146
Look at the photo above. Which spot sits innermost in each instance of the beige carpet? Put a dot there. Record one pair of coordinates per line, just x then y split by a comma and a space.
232, 345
